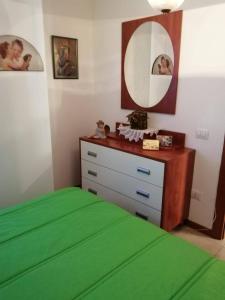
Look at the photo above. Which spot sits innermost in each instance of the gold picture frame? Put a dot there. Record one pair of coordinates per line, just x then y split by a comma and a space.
65, 57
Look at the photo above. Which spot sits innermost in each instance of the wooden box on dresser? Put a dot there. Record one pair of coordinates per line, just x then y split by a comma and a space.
155, 185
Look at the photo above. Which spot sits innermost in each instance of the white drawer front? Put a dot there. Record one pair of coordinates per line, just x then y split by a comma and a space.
138, 190
105, 193
139, 167
129, 204
147, 212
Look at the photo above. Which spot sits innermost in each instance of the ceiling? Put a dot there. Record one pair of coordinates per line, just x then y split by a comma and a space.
189, 4
110, 9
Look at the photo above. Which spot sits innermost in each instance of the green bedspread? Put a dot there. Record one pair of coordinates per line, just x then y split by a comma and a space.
72, 245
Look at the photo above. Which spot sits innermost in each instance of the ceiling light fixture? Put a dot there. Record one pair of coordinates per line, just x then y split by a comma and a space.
165, 6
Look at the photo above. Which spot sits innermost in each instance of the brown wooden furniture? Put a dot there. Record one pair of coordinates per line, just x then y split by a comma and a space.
218, 229
113, 168
172, 23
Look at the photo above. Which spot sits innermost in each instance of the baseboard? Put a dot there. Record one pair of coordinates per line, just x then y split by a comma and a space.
200, 228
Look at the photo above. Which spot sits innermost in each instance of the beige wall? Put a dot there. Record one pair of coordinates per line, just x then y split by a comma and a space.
76, 105
71, 102
25, 144
201, 93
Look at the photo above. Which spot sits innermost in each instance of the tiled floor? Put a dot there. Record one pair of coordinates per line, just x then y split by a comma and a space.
215, 247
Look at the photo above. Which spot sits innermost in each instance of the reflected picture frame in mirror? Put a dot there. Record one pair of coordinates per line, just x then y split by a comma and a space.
172, 23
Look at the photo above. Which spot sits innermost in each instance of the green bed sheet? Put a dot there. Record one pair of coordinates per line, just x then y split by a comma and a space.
73, 245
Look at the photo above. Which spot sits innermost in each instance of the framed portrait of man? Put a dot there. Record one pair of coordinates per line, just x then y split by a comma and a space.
65, 57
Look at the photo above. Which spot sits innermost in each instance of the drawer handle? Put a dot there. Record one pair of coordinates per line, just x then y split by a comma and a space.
141, 216
143, 194
93, 191
144, 171
93, 154
95, 174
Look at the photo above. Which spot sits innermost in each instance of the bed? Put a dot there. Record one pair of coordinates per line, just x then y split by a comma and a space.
71, 244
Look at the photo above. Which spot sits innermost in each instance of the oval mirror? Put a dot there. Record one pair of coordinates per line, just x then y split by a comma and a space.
149, 64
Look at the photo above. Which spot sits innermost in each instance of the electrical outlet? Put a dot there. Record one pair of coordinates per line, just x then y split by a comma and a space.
197, 195
202, 133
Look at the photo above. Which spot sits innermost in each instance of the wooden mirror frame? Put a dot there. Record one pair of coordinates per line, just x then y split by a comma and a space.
172, 23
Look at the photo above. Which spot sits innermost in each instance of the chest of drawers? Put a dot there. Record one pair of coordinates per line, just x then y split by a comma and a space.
153, 185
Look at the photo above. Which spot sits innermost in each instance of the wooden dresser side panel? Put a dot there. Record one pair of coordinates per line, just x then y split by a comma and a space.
189, 182
177, 190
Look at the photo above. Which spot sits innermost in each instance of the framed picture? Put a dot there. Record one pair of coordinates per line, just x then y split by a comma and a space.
17, 54
65, 57
163, 65
165, 141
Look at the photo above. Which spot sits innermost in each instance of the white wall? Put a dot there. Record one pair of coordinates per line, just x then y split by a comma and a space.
25, 145
72, 106
201, 93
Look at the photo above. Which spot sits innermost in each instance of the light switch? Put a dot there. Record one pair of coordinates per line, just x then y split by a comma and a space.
202, 133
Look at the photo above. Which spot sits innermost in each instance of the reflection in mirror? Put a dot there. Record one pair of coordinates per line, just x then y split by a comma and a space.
148, 65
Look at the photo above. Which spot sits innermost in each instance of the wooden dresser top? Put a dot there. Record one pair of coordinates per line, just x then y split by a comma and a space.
136, 149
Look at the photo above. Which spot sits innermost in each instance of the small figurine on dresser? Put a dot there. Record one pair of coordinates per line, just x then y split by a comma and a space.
101, 131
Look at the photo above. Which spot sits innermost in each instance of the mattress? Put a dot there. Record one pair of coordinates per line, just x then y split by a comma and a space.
72, 244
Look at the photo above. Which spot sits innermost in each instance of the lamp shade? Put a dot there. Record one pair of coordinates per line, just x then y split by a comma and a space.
165, 5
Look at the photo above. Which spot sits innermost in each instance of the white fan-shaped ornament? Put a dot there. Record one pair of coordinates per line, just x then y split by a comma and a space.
165, 5
135, 134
